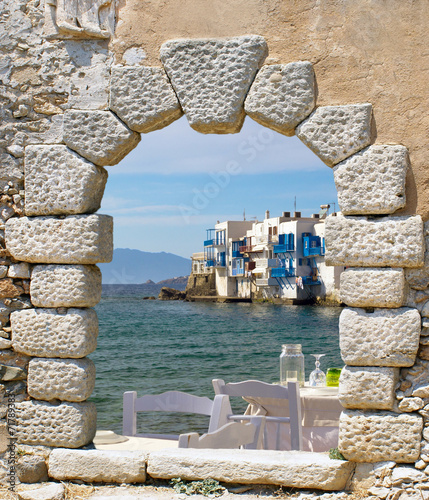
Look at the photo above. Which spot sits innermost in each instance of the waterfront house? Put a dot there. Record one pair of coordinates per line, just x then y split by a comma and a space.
279, 258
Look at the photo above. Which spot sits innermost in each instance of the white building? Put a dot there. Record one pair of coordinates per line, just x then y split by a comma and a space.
279, 258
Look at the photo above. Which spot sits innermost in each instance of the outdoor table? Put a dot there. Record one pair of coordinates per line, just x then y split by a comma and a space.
320, 411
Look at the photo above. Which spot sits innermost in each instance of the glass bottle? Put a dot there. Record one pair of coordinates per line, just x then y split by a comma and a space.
292, 364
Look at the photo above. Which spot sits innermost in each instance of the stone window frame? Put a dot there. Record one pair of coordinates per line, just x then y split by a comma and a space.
64, 238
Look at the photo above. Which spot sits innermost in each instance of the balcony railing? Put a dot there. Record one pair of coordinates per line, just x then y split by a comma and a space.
245, 249
209, 243
285, 247
209, 263
313, 251
266, 282
283, 272
266, 262
239, 271
309, 280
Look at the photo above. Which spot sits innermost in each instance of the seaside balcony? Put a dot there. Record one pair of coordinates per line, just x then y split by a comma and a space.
209, 243
246, 249
314, 251
283, 272
266, 263
283, 248
266, 282
310, 280
239, 271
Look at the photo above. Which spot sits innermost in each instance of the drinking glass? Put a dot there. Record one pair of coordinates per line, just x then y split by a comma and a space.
317, 377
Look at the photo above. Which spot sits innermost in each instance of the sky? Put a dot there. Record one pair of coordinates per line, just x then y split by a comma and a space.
177, 183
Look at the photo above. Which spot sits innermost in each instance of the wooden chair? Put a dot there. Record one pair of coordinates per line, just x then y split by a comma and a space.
255, 389
219, 435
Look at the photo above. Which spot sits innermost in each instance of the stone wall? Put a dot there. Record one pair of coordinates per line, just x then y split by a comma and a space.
72, 105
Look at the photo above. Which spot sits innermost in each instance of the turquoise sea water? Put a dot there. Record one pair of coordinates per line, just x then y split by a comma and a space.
153, 346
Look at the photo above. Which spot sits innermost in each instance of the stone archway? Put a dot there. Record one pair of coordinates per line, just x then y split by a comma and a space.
216, 82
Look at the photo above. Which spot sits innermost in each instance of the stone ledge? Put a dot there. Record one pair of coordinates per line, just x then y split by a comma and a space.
291, 469
98, 465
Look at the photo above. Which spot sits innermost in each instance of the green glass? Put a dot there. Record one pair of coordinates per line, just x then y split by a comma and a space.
333, 377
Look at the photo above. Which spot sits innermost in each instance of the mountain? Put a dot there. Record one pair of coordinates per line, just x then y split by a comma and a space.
134, 266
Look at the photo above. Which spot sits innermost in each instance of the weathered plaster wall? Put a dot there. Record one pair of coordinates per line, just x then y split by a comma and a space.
368, 51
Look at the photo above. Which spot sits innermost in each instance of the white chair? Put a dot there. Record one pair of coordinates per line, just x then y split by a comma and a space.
219, 435
259, 390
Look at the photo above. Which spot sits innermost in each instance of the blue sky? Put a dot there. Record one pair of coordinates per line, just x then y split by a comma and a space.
178, 182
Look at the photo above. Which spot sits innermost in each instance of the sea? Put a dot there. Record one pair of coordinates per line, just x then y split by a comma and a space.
152, 346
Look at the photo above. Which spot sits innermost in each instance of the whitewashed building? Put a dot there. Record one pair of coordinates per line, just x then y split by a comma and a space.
278, 258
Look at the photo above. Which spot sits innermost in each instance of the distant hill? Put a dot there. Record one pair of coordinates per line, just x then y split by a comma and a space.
135, 267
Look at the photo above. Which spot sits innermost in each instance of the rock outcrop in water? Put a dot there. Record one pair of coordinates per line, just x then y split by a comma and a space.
167, 293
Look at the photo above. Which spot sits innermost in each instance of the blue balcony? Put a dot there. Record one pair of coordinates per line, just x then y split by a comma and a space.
283, 248
209, 243
308, 280
236, 253
210, 263
313, 246
282, 272
239, 271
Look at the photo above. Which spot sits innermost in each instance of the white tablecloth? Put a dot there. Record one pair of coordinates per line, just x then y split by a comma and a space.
320, 411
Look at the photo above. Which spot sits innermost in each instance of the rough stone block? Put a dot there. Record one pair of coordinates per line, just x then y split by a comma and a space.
65, 286
93, 466
211, 78
373, 287
386, 337
384, 242
59, 181
32, 469
419, 278
19, 270
417, 377
376, 436
98, 136
77, 239
67, 425
52, 491
8, 289
282, 96
368, 387
291, 469
372, 181
143, 98
64, 379
47, 333
334, 133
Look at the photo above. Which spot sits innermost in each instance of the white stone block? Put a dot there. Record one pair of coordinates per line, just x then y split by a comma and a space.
282, 96
211, 78
94, 466
373, 287
99, 136
47, 333
368, 387
59, 181
376, 436
334, 133
287, 468
372, 181
53, 491
64, 379
383, 242
65, 286
19, 270
67, 425
386, 337
76, 239
143, 98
